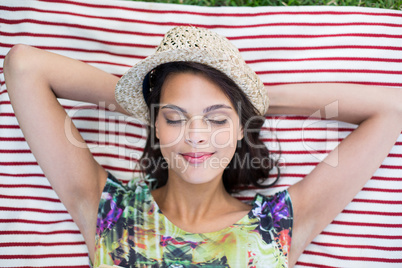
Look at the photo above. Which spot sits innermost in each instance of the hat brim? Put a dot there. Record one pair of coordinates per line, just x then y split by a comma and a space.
129, 89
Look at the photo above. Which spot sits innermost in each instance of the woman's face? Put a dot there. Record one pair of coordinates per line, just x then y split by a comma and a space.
197, 127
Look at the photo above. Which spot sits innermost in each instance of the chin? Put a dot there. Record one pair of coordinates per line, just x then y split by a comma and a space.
194, 176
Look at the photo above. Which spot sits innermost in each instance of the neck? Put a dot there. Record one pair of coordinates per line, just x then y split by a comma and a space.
196, 207
191, 200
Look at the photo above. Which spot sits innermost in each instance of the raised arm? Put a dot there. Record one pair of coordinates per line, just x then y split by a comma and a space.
35, 79
324, 193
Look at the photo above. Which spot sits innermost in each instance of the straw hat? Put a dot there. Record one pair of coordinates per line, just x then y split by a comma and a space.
187, 43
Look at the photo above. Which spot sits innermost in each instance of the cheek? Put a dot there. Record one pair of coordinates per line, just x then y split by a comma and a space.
224, 137
170, 136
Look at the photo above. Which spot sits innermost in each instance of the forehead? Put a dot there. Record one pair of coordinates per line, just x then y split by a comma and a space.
192, 91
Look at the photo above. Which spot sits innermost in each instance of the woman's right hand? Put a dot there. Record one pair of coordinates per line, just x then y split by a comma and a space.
35, 79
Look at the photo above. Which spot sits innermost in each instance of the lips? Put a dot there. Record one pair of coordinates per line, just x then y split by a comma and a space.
196, 158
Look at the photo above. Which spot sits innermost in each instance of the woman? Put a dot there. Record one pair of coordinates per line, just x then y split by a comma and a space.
199, 128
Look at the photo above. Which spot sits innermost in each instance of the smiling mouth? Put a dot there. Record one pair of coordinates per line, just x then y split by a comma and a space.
196, 158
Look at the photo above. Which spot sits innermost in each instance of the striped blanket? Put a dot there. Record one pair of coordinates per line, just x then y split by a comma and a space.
282, 44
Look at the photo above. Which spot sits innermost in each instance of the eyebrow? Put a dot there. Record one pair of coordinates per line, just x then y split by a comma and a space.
206, 110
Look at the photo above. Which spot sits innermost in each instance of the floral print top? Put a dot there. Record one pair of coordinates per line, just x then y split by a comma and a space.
133, 232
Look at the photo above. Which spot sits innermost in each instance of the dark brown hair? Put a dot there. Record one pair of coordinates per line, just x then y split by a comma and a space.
240, 171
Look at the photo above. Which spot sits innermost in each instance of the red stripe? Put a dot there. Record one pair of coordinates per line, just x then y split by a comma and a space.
245, 198
357, 246
342, 82
300, 24
16, 151
19, 232
22, 175
7, 114
326, 59
26, 186
294, 36
43, 256
301, 140
380, 213
318, 48
79, 26
32, 221
371, 236
273, 175
292, 175
10, 126
390, 202
40, 244
34, 210
18, 163
329, 71
395, 155
300, 152
298, 164
48, 199
308, 129
386, 178
228, 14
367, 224
391, 167
369, 189
308, 252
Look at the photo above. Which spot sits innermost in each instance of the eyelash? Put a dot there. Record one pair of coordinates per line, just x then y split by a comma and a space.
218, 122
176, 122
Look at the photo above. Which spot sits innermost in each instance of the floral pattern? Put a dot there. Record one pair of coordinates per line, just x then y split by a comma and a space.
133, 232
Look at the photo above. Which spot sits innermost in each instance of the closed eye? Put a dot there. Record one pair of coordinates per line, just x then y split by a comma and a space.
175, 122
218, 122
182, 121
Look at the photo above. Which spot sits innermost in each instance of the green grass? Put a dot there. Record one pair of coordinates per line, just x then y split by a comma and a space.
388, 4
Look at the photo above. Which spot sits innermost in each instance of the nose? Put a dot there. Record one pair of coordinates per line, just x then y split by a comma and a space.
197, 131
